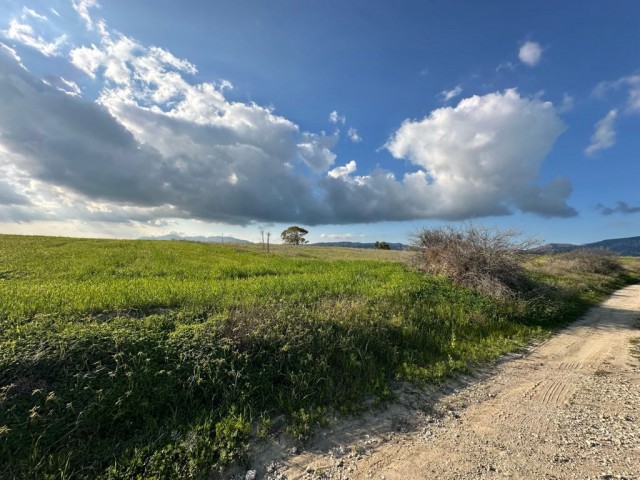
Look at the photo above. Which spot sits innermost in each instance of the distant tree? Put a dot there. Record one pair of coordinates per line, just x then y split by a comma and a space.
294, 235
383, 246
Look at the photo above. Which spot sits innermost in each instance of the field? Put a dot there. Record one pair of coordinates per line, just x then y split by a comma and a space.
139, 359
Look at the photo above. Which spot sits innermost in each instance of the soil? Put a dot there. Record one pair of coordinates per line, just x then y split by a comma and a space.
568, 408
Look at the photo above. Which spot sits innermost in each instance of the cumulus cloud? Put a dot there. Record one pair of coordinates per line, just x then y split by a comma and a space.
620, 207
482, 157
530, 53
605, 135
156, 145
179, 154
25, 34
447, 95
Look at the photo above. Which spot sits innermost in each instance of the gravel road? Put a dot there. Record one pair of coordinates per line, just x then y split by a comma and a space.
569, 408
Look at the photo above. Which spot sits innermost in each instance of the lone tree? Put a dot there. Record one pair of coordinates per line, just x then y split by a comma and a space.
294, 235
383, 246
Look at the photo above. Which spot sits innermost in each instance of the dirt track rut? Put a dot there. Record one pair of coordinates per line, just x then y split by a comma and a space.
569, 408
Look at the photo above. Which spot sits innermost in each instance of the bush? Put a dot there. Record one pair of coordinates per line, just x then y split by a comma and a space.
585, 260
485, 259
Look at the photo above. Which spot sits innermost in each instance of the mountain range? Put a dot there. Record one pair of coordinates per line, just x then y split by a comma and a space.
200, 238
622, 246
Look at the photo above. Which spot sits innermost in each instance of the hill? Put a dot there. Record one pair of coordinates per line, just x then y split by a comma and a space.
394, 246
622, 246
200, 238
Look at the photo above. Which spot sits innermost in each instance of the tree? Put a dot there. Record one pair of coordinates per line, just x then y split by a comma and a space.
383, 246
294, 235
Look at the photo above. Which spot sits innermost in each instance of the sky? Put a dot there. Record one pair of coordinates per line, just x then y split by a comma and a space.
359, 120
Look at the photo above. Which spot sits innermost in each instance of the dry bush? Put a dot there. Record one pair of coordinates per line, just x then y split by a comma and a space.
585, 260
486, 259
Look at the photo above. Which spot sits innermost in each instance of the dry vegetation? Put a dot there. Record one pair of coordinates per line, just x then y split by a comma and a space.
488, 260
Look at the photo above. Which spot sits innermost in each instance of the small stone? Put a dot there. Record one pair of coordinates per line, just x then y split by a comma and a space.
250, 475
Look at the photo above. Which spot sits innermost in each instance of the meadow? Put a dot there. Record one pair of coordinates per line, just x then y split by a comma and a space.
149, 359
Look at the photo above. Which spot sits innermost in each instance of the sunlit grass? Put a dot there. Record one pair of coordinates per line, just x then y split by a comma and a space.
133, 359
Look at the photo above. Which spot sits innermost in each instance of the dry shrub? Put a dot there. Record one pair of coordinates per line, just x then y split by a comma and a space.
585, 260
486, 259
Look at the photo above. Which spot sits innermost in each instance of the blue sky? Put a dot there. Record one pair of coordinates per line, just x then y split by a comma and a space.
359, 120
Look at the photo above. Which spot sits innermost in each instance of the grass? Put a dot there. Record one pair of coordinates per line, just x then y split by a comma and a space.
143, 359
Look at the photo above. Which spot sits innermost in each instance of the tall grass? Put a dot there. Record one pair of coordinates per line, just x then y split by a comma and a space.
139, 359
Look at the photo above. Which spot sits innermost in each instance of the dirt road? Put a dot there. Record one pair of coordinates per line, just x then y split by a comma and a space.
569, 408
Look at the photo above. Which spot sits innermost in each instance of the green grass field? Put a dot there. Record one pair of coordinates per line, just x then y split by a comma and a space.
143, 359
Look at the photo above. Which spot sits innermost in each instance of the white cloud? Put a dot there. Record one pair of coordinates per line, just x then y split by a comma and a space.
24, 33
13, 54
344, 171
341, 236
54, 11
530, 53
447, 95
631, 83
335, 117
353, 135
27, 12
483, 156
63, 85
605, 135
83, 7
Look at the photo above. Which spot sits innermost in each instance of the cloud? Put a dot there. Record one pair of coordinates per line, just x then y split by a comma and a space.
629, 82
335, 117
621, 207
12, 54
27, 12
341, 236
505, 66
483, 156
605, 135
447, 95
344, 171
63, 85
352, 133
9, 195
24, 33
155, 146
568, 103
175, 156
530, 53
83, 7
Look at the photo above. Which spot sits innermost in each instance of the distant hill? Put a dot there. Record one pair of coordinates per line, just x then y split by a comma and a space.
215, 239
393, 246
622, 246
